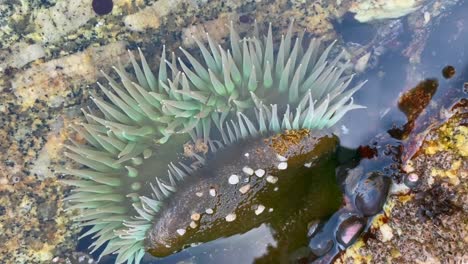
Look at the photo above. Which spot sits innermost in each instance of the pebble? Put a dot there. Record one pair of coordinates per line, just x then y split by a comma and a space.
282, 166
193, 225
260, 172
244, 188
230, 217
199, 194
308, 164
233, 179
181, 232
259, 209
209, 211
248, 170
272, 179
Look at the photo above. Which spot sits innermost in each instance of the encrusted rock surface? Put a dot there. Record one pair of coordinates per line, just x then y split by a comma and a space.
430, 223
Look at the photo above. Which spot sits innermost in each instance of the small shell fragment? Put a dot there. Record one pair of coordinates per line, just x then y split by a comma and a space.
199, 194
271, 179
230, 217
260, 173
233, 179
282, 165
259, 209
244, 188
209, 211
181, 231
213, 192
193, 225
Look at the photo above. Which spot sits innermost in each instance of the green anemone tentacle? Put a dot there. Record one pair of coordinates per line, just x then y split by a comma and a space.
252, 87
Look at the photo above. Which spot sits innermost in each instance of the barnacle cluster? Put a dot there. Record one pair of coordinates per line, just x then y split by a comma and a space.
253, 87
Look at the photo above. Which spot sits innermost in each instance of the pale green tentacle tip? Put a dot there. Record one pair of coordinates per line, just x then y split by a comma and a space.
133, 196
147, 153
132, 172
137, 161
135, 186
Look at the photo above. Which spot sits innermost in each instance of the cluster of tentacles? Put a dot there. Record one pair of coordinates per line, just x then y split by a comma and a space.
253, 87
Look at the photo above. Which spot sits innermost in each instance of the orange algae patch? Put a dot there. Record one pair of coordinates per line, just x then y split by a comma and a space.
281, 143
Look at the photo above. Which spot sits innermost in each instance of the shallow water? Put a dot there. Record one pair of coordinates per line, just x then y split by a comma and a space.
392, 76
49, 66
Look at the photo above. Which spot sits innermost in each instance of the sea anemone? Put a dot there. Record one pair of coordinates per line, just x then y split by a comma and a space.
253, 87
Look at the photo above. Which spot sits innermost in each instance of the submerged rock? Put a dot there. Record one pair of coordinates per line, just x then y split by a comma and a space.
371, 194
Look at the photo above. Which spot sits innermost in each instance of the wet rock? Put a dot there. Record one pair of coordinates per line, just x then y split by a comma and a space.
46, 210
349, 230
321, 243
371, 194
313, 228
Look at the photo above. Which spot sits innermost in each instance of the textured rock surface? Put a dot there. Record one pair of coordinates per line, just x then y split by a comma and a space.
429, 224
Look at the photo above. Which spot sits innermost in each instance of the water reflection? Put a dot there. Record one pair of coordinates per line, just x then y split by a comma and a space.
241, 248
